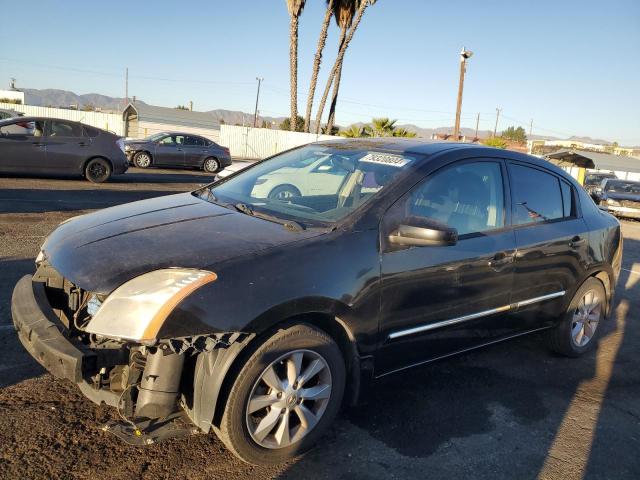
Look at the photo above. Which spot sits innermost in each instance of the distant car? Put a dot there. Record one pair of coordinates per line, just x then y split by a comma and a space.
592, 181
177, 150
35, 145
231, 169
620, 197
6, 113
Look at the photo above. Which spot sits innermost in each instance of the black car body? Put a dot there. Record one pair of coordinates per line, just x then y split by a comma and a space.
593, 182
369, 276
177, 150
619, 197
49, 146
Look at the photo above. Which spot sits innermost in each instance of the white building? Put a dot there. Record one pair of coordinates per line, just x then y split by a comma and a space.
12, 95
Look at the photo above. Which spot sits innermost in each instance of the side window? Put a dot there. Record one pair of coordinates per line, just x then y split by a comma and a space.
536, 195
23, 129
168, 140
568, 204
63, 129
193, 141
468, 197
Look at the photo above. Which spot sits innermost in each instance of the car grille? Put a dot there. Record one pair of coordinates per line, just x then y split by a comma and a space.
630, 203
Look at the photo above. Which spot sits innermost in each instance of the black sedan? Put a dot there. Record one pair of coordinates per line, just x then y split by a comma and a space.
177, 150
619, 197
37, 146
257, 317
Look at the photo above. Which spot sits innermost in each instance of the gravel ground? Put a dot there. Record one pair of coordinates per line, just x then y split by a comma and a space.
513, 410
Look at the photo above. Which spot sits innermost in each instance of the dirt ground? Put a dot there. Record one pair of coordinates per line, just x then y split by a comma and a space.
513, 410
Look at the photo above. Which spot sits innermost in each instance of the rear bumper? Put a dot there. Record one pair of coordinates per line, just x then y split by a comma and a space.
40, 334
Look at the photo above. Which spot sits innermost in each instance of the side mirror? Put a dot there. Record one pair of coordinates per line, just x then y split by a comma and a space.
423, 232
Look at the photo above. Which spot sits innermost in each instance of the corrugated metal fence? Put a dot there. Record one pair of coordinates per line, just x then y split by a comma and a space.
247, 142
107, 121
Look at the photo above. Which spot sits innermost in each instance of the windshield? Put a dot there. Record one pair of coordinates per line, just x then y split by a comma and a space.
596, 179
155, 136
621, 186
312, 184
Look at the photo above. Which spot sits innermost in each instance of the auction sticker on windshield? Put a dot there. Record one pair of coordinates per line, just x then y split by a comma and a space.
386, 159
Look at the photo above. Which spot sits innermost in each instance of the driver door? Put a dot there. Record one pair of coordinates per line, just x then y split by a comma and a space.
169, 151
22, 147
438, 300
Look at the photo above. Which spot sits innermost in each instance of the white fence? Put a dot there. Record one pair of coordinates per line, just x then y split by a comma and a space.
107, 121
258, 143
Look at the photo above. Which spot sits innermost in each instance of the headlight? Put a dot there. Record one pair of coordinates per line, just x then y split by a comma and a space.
127, 147
137, 309
611, 201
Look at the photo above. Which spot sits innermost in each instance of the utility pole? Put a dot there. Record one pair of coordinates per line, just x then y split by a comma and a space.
255, 115
464, 55
126, 86
477, 125
530, 128
495, 129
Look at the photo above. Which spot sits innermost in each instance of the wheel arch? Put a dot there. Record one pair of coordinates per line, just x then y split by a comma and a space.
215, 372
207, 157
143, 150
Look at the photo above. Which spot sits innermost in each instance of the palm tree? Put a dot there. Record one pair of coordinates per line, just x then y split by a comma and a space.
345, 10
355, 131
363, 4
382, 127
316, 62
403, 132
295, 8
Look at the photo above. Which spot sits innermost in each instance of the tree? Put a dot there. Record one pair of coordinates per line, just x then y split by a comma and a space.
322, 40
355, 131
286, 124
515, 134
87, 107
295, 8
496, 142
361, 8
382, 127
334, 130
403, 132
181, 107
344, 12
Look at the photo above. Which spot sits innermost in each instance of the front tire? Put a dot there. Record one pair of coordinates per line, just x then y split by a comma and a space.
98, 170
576, 333
285, 396
142, 160
284, 193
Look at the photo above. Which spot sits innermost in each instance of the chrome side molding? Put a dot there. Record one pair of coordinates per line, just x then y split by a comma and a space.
473, 316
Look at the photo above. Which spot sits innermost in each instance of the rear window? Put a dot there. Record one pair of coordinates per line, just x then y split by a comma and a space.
63, 129
536, 195
91, 132
622, 186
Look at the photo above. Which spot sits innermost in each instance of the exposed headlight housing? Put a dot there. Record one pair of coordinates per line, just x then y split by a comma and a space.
127, 147
137, 309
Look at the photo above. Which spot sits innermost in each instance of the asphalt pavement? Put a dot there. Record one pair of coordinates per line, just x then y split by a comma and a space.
512, 411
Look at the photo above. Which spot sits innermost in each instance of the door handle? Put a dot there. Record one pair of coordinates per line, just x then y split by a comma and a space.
577, 241
500, 259
82, 144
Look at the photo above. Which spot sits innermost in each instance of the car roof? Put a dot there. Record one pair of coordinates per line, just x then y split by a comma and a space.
41, 119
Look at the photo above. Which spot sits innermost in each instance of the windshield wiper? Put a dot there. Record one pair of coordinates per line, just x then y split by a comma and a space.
288, 224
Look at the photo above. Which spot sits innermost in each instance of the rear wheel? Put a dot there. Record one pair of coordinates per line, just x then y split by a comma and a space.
97, 170
211, 165
576, 333
142, 160
285, 396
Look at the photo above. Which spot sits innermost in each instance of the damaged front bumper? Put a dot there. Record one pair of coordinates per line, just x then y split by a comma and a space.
146, 384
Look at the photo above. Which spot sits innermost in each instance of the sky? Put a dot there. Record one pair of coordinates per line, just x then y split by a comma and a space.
572, 66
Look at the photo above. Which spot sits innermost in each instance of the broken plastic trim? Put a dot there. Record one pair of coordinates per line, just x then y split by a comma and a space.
203, 343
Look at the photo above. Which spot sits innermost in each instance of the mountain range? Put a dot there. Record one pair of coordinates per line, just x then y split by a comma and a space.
63, 98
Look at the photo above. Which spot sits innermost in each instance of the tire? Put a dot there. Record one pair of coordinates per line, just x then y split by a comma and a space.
284, 193
97, 170
567, 338
142, 160
240, 430
211, 165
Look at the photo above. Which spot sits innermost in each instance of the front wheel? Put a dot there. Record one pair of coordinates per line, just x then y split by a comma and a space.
575, 334
285, 396
97, 170
142, 160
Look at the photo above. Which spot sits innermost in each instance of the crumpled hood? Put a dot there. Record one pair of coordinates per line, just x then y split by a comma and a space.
102, 250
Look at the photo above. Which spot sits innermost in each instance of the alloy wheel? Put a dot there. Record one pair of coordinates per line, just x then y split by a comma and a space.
143, 160
586, 318
211, 165
288, 399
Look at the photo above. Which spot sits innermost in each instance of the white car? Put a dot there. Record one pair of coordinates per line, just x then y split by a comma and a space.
233, 168
324, 178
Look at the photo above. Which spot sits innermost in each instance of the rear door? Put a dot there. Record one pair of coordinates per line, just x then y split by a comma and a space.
551, 241
22, 147
194, 151
67, 147
169, 151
